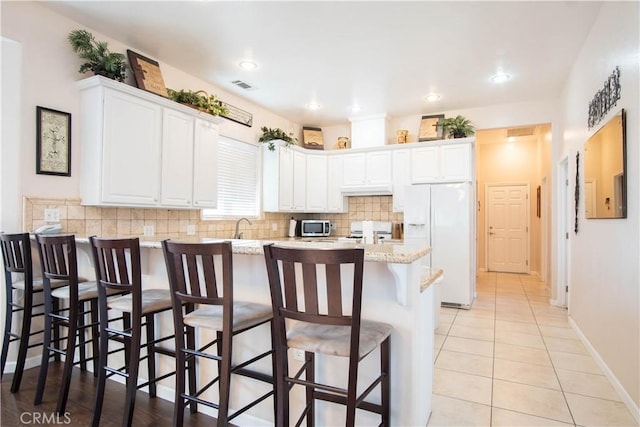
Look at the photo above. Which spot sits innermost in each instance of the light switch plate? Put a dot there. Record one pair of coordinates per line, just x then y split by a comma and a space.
148, 230
191, 230
52, 215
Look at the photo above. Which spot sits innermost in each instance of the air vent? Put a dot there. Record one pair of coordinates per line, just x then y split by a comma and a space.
524, 131
243, 85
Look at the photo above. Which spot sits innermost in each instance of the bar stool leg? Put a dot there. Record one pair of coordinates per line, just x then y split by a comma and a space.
225, 379
151, 354
386, 381
24, 341
310, 375
68, 359
191, 367
351, 391
102, 374
82, 337
56, 330
134, 364
46, 344
178, 413
7, 325
95, 333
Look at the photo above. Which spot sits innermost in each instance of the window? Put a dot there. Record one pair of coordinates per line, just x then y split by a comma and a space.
238, 180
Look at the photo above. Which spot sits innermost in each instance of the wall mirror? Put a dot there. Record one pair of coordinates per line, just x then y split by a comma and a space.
605, 171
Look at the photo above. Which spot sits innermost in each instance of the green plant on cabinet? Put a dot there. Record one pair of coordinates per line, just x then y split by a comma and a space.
98, 58
458, 127
199, 100
269, 135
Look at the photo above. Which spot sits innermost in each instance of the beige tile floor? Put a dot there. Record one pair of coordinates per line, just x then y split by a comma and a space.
513, 360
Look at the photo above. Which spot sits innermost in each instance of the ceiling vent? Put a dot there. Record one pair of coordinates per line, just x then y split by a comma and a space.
524, 131
243, 85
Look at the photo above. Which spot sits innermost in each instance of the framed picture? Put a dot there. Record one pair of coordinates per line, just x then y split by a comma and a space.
312, 138
53, 142
147, 73
431, 128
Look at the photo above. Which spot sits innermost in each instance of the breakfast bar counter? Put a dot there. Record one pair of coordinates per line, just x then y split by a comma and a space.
395, 291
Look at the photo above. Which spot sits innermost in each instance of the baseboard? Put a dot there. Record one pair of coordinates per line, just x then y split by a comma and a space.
628, 401
168, 394
31, 362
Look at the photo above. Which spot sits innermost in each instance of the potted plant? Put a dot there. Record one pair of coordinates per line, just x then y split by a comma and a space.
269, 135
98, 58
200, 100
457, 127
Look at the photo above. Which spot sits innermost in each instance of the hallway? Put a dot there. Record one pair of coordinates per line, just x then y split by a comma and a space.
514, 360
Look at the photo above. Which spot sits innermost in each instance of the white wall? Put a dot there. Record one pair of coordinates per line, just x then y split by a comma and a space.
49, 74
604, 269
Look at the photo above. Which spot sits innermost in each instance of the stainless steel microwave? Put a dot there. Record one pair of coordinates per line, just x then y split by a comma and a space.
315, 228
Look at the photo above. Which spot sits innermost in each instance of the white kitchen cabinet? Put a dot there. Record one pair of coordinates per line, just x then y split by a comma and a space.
448, 162
138, 149
299, 181
335, 198
401, 177
177, 159
316, 183
278, 178
367, 173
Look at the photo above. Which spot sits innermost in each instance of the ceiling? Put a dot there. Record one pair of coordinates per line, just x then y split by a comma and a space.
383, 56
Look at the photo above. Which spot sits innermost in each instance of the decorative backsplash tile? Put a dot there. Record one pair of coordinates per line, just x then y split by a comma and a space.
172, 223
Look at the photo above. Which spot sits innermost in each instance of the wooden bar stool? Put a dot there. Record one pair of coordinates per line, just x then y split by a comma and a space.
302, 322
16, 255
117, 264
58, 260
203, 298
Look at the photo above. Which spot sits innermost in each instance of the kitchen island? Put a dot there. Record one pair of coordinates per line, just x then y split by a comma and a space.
395, 291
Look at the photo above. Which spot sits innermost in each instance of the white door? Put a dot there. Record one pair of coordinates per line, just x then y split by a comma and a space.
589, 198
508, 228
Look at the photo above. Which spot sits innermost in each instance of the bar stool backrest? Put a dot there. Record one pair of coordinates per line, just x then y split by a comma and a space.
58, 260
117, 265
283, 281
16, 254
193, 278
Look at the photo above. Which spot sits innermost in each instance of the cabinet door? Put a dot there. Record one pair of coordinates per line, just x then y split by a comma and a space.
354, 169
131, 172
401, 178
299, 181
205, 165
316, 181
425, 165
455, 162
378, 168
177, 159
285, 182
335, 199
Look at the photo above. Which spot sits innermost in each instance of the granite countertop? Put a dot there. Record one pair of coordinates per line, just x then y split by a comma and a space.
429, 277
399, 253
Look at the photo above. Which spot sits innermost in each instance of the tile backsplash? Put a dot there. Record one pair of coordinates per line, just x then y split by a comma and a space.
172, 223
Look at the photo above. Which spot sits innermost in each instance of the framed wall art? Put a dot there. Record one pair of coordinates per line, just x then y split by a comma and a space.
312, 138
431, 128
147, 73
53, 142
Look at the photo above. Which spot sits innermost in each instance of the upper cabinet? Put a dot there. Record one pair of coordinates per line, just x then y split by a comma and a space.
401, 177
367, 173
316, 183
446, 162
139, 149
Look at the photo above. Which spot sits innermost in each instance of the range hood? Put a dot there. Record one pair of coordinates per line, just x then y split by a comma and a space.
367, 190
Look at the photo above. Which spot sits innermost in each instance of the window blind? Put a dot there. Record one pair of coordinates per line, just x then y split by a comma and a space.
238, 180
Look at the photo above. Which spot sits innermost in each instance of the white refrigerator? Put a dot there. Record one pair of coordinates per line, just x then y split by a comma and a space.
443, 216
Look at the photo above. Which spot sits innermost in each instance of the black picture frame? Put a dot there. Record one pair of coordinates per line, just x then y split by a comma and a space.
431, 128
53, 142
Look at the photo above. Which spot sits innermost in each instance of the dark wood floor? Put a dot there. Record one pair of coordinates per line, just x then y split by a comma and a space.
148, 412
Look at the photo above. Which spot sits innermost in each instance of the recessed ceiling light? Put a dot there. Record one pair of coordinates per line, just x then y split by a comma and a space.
511, 139
314, 106
432, 97
500, 77
355, 108
248, 65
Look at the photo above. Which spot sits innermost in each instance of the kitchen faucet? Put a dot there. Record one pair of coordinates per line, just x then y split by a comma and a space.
238, 235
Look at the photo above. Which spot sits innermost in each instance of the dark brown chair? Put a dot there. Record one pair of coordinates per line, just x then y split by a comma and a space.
58, 260
117, 265
16, 255
293, 279
203, 298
